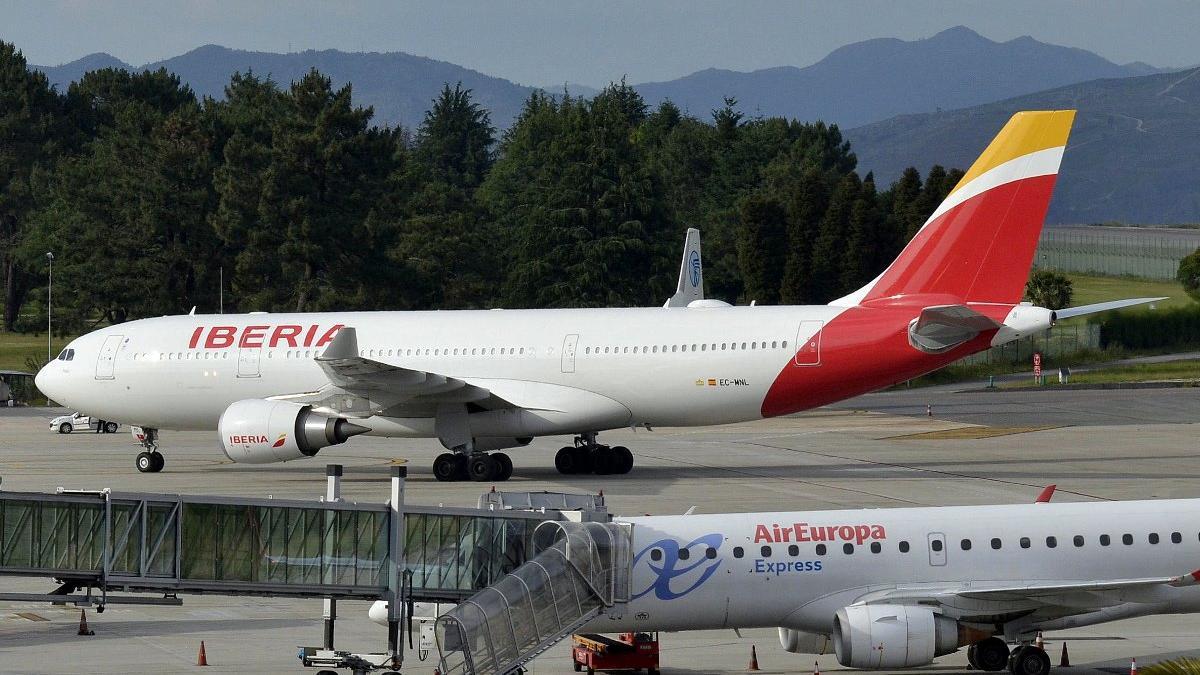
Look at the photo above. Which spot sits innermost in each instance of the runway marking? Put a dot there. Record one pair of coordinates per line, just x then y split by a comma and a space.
971, 432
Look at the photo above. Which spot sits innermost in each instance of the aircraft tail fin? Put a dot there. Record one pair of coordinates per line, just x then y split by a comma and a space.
691, 273
979, 244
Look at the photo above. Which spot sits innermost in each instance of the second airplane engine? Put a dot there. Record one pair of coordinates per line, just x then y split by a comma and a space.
258, 431
800, 642
891, 636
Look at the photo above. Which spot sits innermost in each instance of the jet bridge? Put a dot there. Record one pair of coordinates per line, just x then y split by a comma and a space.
579, 570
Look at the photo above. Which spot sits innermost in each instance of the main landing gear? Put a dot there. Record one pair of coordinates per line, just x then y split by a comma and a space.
149, 460
477, 466
992, 655
588, 456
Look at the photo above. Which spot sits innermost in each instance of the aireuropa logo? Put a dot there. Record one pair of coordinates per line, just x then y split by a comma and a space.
694, 264
665, 567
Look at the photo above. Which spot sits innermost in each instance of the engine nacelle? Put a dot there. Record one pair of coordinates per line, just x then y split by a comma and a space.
891, 636
258, 431
1022, 321
800, 642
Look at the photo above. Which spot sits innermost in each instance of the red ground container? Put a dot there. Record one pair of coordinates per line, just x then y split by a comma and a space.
630, 651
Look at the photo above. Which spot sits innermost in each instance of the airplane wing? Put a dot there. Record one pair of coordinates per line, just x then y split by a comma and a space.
361, 387
987, 598
691, 273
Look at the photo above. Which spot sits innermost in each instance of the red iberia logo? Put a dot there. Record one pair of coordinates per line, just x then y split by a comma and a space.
805, 532
280, 441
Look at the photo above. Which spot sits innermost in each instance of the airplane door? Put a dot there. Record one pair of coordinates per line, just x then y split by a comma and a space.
937, 549
808, 343
568, 353
107, 360
248, 365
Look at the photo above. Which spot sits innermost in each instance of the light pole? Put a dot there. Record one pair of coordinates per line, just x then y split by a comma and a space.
49, 306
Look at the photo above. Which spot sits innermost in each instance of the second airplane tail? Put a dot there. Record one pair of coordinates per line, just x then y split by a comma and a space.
979, 244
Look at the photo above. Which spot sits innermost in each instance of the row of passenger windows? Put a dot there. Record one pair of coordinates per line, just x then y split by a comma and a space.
715, 346
1079, 541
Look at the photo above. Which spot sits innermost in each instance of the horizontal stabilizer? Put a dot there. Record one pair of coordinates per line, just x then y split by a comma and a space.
1084, 310
944, 327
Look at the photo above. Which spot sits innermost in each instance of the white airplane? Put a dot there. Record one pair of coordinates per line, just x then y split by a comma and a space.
280, 387
896, 588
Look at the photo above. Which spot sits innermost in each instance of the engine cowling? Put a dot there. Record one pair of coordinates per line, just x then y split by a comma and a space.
891, 636
258, 431
1022, 321
801, 642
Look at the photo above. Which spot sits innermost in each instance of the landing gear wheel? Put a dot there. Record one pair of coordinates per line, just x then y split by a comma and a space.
624, 459
65, 428
990, 654
583, 459
145, 462
158, 462
482, 467
1029, 660
447, 467
603, 460
506, 467
567, 461
110, 427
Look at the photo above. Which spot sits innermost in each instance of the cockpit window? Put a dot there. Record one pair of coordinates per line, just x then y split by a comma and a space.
66, 355
70, 354
62, 356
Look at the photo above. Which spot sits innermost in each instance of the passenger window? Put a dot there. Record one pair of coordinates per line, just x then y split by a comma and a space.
848, 549
1078, 541
1051, 542
1105, 540
737, 552
820, 549
936, 545
753, 345
875, 547
684, 554
655, 554
966, 544
904, 547
1176, 538
711, 553
1024, 542
703, 348
773, 344
1127, 539
743, 345
765, 551
793, 550
785, 344
996, 544
1153, 537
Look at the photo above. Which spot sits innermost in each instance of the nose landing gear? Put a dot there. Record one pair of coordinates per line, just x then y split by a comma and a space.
149, 460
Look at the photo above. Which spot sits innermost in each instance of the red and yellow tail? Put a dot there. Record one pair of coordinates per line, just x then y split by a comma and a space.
979, 244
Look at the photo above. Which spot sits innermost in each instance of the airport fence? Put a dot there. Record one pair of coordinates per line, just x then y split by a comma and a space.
1113, 251
1058, 341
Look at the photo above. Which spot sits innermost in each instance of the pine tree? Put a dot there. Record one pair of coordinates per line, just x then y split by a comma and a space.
762, 246
830, 246
806, 207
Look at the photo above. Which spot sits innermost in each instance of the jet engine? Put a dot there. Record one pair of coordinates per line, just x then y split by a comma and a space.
892, 636
258, 431
800, 642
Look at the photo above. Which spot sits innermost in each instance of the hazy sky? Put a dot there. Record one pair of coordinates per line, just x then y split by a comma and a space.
590, 42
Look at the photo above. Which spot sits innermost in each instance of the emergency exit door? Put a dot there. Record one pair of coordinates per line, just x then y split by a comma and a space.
808, 343
568, 353
937, 549
248, 365
107, 360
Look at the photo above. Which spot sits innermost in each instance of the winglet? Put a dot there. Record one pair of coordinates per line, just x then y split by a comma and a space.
691, 273
343, 346
1047, 493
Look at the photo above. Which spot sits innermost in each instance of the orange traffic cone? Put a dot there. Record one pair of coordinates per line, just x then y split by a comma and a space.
816, 668
1065, 661
83, 627
202, 658
1133, 667
753, 658
1039, 642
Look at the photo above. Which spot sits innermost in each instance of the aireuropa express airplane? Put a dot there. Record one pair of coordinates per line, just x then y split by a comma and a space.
895, 588
282, 386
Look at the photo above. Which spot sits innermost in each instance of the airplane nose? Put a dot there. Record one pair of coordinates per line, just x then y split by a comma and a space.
43, 381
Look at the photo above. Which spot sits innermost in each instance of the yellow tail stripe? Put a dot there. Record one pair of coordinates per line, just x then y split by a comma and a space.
1025, 132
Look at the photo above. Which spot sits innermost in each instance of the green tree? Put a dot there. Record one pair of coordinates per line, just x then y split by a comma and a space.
762, 246
829, 248
1189, 274
1049, 289
30, 142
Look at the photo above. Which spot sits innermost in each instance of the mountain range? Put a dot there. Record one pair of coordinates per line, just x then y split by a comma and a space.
1131, 156
854, 85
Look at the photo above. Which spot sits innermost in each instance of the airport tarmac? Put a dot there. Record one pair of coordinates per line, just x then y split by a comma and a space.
879, 450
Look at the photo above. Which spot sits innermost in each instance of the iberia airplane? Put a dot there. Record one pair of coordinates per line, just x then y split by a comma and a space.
282, 386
